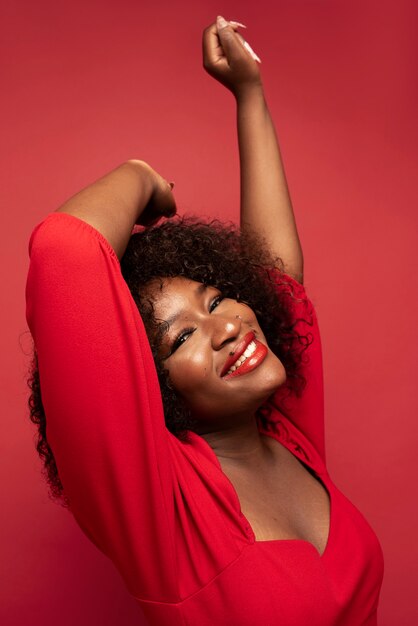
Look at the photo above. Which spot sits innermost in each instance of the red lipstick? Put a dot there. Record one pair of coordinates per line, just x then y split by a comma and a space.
236, 353
250, 362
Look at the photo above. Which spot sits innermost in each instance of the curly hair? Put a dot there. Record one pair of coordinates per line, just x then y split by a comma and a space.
212, 253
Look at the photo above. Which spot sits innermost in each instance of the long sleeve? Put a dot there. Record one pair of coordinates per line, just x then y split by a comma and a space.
102, 401
307, 410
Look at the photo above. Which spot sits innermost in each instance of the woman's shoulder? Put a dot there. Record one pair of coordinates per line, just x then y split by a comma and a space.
274, 423
288, 287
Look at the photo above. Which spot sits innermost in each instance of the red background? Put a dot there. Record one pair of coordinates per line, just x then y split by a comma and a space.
88, 84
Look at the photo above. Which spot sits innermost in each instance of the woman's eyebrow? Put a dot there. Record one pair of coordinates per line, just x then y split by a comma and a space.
201, 288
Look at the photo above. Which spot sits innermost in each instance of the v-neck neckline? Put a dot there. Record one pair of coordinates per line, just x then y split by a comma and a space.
297, 450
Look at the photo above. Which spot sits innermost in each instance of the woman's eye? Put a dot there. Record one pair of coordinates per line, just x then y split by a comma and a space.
181, 338
215, 302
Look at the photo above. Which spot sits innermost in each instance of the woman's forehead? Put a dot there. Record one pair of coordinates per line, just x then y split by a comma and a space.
165, 286
174, 294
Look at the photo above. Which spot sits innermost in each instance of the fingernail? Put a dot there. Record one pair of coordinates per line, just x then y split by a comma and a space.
251, 51
221, 22
237, 24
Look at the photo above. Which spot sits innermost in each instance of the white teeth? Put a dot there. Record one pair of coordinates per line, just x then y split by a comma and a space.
250, 349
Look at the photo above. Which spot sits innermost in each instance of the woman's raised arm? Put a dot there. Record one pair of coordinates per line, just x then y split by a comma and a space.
266, 206
133, 193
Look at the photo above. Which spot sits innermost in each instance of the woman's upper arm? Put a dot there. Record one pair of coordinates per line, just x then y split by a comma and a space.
102, 401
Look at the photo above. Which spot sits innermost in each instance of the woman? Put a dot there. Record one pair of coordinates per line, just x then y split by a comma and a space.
219, 508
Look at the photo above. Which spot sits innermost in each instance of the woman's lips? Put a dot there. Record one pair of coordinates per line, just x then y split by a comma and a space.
238, 351
251, 362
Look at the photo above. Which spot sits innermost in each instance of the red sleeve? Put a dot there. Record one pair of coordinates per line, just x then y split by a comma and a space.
306, 411
100, 391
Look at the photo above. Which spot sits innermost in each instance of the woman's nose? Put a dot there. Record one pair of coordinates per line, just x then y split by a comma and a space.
226, 328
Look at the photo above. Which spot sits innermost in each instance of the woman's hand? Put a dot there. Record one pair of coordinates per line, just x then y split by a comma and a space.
161, 202
228, 58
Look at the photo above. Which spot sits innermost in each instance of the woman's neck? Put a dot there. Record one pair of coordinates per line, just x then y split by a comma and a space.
241, 445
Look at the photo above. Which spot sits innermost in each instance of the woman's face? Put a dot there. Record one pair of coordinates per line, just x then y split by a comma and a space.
214, 350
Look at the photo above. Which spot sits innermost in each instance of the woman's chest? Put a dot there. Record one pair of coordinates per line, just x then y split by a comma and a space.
284, 502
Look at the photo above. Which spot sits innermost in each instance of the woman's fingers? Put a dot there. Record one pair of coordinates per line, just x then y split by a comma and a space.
229, 39
212, 49
164, 201
227, 32
228, 57
248, 48
223, 44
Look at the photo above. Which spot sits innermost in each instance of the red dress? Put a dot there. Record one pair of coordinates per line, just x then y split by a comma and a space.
162, 510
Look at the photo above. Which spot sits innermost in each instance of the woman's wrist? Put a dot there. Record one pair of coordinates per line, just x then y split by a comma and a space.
154, 194
145, 185
249, 93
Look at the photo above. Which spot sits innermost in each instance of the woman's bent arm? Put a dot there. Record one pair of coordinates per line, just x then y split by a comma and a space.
130, 194
100, 392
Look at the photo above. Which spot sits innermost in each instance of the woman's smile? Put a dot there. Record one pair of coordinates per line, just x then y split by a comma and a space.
212, 340
245, 360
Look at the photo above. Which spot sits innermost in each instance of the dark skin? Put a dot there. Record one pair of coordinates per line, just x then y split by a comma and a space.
279, 497
206, 330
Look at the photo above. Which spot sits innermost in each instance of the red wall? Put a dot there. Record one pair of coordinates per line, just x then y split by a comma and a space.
88, 84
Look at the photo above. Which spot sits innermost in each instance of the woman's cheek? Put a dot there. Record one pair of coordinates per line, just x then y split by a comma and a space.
187, 374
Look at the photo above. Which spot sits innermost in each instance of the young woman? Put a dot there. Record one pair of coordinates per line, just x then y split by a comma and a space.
181, 417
